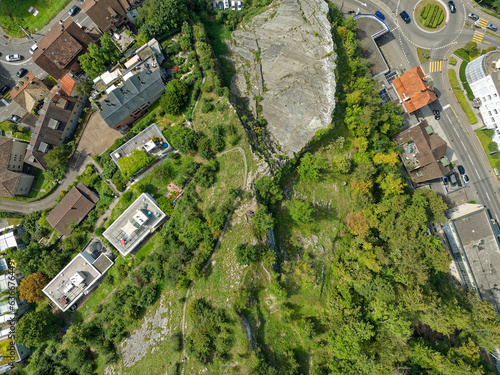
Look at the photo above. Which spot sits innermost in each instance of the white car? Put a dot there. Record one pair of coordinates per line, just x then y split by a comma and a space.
14, 57
226, 4
233, 5
33, 48
239, 4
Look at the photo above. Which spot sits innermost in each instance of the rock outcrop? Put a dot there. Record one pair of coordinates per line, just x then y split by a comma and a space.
286, 56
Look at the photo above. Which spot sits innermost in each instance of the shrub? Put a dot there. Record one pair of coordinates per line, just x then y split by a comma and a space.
99, 231
245, 254
452, 61
206, 106
219, 91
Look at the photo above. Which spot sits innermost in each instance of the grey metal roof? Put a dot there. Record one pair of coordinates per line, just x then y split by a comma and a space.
135, 92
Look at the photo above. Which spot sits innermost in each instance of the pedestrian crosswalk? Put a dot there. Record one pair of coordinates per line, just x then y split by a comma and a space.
7, 96
478, 37
482, 22
436, 66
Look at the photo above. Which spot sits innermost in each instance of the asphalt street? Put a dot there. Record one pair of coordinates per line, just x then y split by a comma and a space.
483, 186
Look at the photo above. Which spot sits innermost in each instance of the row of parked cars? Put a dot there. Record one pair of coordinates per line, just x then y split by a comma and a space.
224, 5
452, 178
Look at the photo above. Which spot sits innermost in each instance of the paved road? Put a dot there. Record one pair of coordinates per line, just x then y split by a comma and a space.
483, 186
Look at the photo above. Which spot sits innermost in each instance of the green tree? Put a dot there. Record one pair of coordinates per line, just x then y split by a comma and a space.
108, 49
175, 97
310, 167
57, 162
262, 221
84, 86
156, 17
268, 191
36, 327
245, 254
341, 164
300, 211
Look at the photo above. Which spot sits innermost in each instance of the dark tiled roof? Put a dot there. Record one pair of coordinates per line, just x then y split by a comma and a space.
100, 10
137, 91
72, 209
59, 49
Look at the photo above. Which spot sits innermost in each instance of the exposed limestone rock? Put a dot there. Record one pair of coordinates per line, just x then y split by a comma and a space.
286, 56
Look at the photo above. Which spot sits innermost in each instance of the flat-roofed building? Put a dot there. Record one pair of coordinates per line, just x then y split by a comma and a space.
79, 277
140, 219
473, 240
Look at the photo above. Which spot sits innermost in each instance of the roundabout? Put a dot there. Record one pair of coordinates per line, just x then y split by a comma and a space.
426, 31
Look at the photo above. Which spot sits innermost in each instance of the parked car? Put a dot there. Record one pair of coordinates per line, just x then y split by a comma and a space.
15, 118
21, 72
14, 57
239, 4
461, 169
475, 17
451, 4
437, 115
33, 48
445, 182
380, 15
453, 179
465, 178
4, 89
74, 10
73, 308
233, 5
492, 27
405, 16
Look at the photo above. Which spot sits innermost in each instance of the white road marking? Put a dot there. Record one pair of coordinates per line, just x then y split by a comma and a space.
465, 148
446, 106
498, 221
472, 161
363, 4
487, 196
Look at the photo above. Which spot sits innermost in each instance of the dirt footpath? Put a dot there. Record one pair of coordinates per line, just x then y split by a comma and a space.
97, 136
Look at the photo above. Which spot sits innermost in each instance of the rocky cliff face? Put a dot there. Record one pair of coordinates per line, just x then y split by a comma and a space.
286, 56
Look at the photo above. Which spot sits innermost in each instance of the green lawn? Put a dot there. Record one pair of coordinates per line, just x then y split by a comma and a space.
459, 95
423, 55
20, 133
40, 183
13, 12
485, 139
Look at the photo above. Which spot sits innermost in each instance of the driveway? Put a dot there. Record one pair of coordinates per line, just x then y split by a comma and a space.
97, 136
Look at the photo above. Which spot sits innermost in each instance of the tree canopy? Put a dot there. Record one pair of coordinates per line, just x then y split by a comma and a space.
175, 97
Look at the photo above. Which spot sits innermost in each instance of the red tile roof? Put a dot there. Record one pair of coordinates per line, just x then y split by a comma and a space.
413, 91
67, 84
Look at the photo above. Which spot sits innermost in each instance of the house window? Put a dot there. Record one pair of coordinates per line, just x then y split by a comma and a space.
489, 113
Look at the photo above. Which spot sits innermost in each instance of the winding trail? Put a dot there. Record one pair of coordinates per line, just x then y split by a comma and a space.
209, 261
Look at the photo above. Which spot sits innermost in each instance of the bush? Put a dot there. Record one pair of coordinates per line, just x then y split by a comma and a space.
99, 231
462, 54
245, 254
206, 106
219, 91
452, 61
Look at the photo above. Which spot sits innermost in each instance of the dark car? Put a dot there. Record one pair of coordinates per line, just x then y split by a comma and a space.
15, 118
445, 182
451, 4
437, 116
21, 72
74, 10
461, 169
405, 16
4, 89
73, 308
380, 15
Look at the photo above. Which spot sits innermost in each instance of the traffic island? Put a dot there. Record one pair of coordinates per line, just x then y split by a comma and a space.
430, 15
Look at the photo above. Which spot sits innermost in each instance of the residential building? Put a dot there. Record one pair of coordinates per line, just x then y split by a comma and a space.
72, 209
8, 240
10, 351
29, 92
111, 14
483, 76
80, 276
12, 179
413, 92
124, 105
473, 241
424, 153
139, 220
55, 126
151, 140
140, 84
59, 49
